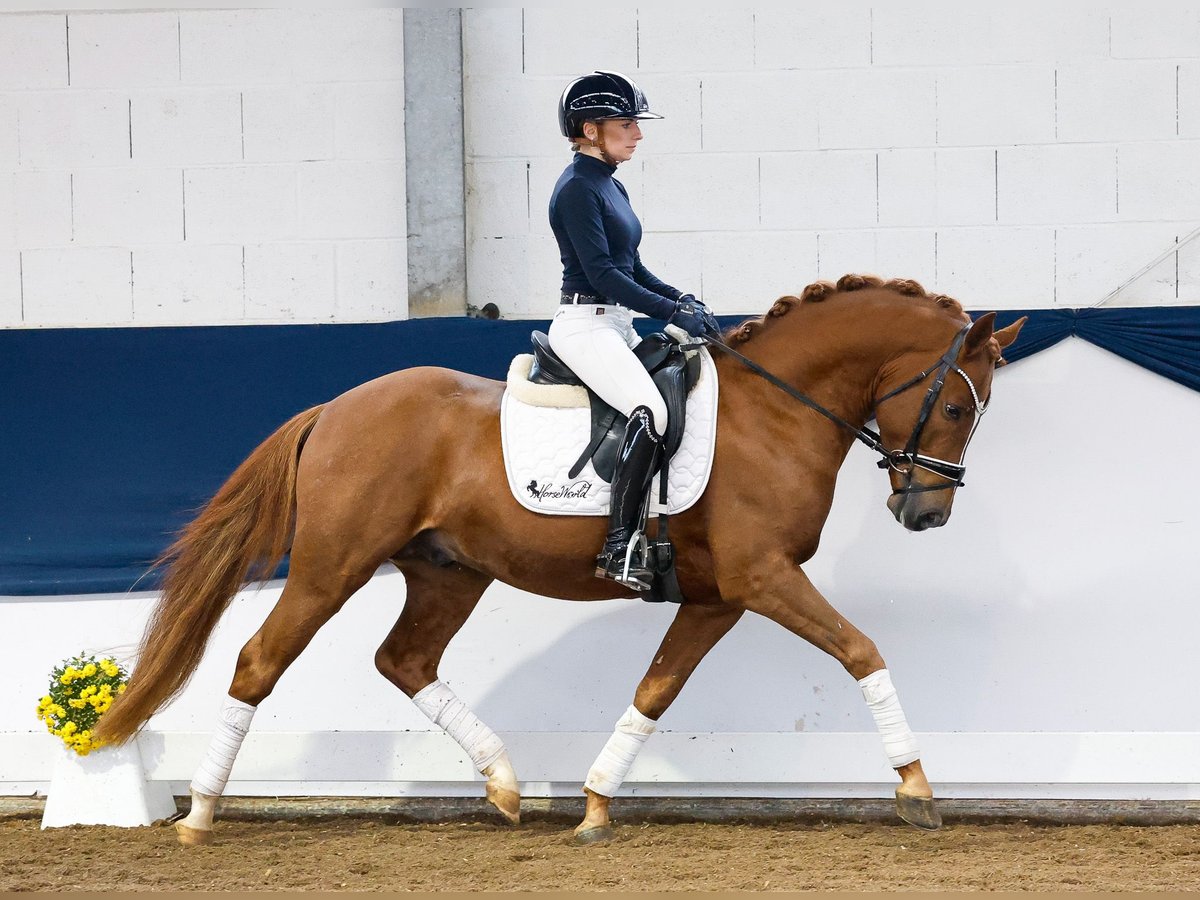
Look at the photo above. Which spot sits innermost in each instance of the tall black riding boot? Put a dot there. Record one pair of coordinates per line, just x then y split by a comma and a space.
636, 462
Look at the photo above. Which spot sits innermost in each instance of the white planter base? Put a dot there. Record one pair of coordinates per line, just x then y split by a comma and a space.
106, 787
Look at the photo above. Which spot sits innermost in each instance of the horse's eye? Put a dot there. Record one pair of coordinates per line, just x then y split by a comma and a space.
953, 412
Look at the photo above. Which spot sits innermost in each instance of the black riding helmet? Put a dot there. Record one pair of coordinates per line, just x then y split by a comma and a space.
600, 95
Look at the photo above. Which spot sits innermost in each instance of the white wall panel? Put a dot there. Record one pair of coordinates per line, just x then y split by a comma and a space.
41, 211
1163, 30
928, 187
988, 35
819, 190
240, 203
995, 105
235, 46
290, 282
1187, 286
550, 47
60, 128
997, 268
678, 97
869, 109
704, 39
290, 123
10, 288
372, 280
499, 202
369, 122
351, 199
782, 105
698, 192
897, 253
677, 258
908, 187
188, 283
1188, 76
147, 145
124, 49
1116, 101
77, 286
186, 126
493, 41
347, 44
746, 273
498, 272
33, 52
1064, 183
1158, 181
10, 152
128, 206
1094, 259
9, 211
541, 177
492, 102
812, 37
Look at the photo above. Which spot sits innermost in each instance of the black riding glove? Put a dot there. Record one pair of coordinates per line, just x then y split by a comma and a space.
694, 317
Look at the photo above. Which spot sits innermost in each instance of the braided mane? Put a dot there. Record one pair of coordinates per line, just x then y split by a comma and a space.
820, 291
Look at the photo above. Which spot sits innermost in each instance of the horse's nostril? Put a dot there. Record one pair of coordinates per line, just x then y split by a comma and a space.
931, 519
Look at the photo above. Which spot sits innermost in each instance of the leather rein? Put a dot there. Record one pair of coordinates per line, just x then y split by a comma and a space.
909, 459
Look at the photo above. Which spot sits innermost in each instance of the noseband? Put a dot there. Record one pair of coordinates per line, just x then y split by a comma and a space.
905, 461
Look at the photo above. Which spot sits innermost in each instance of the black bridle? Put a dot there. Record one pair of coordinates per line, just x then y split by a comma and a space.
909, 459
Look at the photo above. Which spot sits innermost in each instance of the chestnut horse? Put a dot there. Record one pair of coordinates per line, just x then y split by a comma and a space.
408, 468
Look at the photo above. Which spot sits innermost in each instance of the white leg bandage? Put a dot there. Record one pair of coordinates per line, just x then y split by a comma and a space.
615, 760
444, 709
899, 743
214, 771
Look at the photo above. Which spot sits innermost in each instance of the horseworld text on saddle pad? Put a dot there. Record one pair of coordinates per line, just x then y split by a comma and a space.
545, 428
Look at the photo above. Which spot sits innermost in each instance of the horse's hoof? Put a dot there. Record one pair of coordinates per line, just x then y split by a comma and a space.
597, 834
507, 802
919, 812
193, 837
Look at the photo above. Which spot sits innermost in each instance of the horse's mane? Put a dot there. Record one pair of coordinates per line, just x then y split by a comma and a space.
820, 291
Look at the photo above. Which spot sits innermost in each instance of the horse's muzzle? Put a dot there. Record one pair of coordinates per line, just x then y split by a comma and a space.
916, 515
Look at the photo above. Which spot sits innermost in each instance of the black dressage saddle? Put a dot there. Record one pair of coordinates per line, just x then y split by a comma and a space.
673, 372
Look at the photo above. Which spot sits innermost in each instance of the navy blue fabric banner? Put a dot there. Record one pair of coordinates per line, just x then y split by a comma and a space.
112, 438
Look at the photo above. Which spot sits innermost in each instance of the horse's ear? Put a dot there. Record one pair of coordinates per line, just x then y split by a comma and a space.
979, 335
1005, 336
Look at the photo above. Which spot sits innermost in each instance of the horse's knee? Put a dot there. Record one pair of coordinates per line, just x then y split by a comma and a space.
862, 658
405, 672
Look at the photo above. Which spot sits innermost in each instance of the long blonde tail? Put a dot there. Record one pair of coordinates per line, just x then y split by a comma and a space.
243, 532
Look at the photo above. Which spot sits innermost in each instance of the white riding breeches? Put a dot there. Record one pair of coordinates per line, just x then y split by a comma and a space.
596, 341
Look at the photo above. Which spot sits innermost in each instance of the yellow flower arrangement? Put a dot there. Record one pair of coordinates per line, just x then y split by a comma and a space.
81, 690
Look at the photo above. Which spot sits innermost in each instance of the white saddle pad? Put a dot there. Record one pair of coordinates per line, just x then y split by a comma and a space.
545, 429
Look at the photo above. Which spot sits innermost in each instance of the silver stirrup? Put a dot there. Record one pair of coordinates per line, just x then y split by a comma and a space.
637, 541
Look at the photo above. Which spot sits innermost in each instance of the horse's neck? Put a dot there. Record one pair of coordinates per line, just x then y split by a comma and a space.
830, 358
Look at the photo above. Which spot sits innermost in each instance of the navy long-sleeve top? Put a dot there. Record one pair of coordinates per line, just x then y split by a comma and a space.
598, 236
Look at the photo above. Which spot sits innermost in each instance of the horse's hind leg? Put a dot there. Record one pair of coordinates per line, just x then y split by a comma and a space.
694, 631
314, 591
438, 601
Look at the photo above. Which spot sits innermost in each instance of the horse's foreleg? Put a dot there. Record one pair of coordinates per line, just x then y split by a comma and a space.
785, 595
694, 631
439, 600
311, 596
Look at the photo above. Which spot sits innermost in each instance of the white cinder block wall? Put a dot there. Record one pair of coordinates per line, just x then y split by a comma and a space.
202, 166
1013, 156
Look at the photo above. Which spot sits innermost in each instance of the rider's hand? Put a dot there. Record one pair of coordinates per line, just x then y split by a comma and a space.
694, 317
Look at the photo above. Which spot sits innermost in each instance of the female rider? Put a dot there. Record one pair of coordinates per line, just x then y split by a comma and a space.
604, 283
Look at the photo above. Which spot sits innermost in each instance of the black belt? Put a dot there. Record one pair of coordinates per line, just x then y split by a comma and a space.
566, 299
